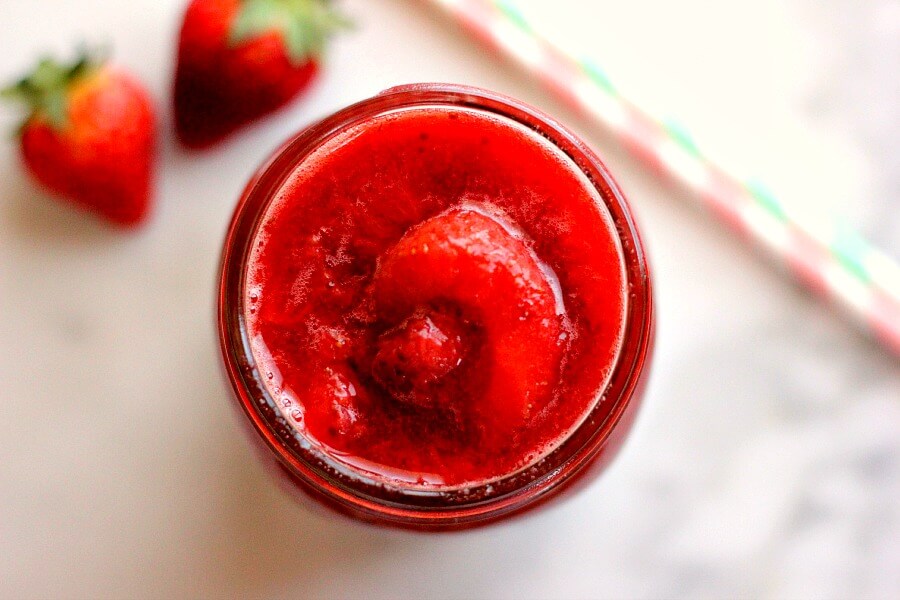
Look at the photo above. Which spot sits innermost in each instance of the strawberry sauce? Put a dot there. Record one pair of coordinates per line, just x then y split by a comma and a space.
435, 297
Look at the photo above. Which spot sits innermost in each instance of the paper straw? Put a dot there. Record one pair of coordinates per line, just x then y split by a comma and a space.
828, 257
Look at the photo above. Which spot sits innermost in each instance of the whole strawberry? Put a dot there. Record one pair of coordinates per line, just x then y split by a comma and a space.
241, 59
90, 136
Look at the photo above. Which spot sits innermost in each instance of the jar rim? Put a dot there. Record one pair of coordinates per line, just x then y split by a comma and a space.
370, 499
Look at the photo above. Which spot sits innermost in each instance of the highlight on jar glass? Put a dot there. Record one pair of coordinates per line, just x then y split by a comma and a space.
435, 309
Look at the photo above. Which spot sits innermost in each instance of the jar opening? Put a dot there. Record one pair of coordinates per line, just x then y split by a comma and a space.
346, 482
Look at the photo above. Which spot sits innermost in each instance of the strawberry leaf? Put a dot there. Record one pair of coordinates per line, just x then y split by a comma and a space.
55, 107
45, 90
256, 17
305, 25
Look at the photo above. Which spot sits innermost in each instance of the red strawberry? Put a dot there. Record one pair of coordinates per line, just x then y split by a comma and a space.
418, 354
90, 136
241, 59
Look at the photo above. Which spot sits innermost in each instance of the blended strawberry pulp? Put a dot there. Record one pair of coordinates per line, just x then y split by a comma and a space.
435, 297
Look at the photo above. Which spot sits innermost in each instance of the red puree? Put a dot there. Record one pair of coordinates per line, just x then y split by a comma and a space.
435, 297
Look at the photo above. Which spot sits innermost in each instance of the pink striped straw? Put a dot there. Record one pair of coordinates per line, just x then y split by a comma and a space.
826, 256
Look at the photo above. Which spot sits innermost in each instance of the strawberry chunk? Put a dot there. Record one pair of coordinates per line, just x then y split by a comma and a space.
336, 413
470, 260
416, 355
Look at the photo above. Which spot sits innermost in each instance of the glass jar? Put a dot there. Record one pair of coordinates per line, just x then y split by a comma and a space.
307, 468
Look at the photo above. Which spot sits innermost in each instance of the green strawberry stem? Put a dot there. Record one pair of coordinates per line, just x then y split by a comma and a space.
45, 90
305, 25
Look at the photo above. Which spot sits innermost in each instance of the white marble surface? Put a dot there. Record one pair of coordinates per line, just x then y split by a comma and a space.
766, 462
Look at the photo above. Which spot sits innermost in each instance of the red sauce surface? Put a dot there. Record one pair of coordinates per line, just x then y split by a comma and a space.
435, 296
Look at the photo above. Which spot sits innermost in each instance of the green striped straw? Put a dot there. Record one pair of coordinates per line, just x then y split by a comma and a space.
824, 254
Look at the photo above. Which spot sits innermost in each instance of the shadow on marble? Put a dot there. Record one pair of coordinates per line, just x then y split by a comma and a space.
35, 217
257, 538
